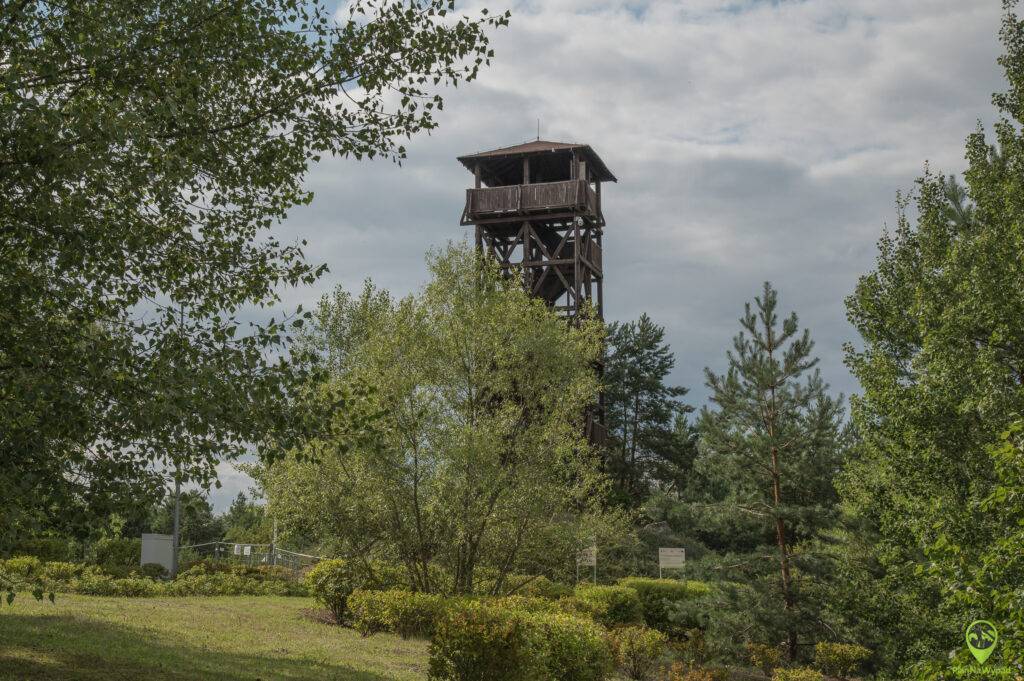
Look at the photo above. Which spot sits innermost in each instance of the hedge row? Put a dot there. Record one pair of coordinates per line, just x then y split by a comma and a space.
199, 580
476, 641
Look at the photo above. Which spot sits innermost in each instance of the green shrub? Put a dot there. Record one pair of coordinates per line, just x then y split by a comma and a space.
572, 649
153, 570
539, 587
401, 612
840, 659
797, 674
61, 549
227, 584
60, 573
118, 551
22, 567
331, 582
95, 584
681, 672
528, 604
657, 596
638, 650
764, 657
610, 605
474, 642
119, 571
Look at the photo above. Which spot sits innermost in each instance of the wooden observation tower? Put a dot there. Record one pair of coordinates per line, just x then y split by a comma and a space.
536, 208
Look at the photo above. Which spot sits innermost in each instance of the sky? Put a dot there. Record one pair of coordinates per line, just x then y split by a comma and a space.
753, 140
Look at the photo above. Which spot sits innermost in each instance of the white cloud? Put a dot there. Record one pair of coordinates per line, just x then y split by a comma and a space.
753, 140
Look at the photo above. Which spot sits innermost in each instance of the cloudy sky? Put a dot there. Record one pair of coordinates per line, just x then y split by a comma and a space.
753, 140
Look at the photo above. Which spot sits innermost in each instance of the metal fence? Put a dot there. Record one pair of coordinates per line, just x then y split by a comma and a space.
246, 554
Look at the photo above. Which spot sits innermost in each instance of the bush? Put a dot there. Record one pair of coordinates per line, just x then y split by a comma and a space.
478, 641
118, 551
153, 570
528, 604
764, 657
680, 672
638, 650
658, 595
22, 567
95, 584
572, 649
60, 573
840, 659
797, 674
539, 587
474, 642
227, 584
331, 582
48, 548
401, 612
610, 605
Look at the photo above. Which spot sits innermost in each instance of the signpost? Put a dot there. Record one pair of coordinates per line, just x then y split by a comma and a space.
671, 558
587, 558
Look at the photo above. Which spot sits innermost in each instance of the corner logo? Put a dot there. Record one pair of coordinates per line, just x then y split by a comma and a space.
981, 639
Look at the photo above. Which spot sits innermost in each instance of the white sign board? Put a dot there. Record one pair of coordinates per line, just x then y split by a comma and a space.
247, 551
238, 549
159, 549
587, 557
671, 558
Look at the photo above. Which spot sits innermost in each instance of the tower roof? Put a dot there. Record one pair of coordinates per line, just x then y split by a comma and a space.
497, 159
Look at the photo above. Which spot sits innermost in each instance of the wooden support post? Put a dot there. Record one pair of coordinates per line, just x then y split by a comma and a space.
526, 170
476, 175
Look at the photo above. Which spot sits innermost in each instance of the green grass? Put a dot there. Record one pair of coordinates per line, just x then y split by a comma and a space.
83, 637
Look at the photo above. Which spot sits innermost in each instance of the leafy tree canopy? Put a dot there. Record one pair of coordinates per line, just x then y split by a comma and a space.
942, 371
146, 147
478, 457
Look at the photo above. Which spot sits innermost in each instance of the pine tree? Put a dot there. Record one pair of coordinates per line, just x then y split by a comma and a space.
652, 443
773, 441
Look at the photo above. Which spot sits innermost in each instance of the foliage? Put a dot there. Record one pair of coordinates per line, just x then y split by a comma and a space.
572, 649
537, 586
148, 149
797, 674
940, 363
610, 605
331, 582
773, 440
117, 551
680, 672
480, 460
198, 524
638, 651
59, 572
404, 613
246, 522
651, 442
475, 641
839, 659
47, 548
153, 570
657, 597
765, 657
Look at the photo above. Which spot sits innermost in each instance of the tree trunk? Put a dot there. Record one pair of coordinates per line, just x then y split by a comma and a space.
780, 537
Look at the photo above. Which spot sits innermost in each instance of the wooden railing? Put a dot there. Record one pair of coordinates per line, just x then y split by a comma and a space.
531, 198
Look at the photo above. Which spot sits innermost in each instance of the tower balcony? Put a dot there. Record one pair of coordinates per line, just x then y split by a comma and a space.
526, 200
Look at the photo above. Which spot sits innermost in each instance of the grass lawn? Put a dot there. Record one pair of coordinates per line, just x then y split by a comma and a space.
265, 637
